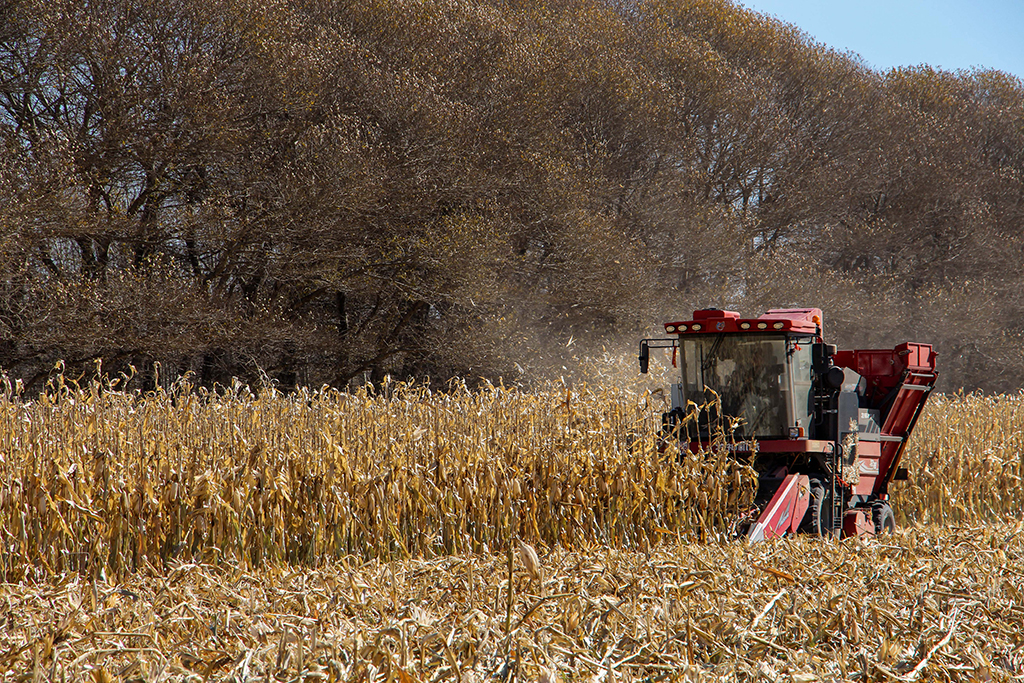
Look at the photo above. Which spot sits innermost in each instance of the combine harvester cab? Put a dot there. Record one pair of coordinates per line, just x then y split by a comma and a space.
828, 427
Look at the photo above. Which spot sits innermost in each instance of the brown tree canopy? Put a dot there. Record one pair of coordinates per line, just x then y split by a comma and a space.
321, 190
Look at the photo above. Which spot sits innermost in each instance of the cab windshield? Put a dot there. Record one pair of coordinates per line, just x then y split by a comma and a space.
749, 374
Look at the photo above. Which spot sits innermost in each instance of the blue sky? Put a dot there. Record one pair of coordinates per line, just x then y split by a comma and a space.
942, 33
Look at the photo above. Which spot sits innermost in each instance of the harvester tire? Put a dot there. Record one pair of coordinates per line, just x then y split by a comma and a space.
885, 520
811, 523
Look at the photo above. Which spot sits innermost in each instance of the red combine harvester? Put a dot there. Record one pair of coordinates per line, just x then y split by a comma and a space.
829, 427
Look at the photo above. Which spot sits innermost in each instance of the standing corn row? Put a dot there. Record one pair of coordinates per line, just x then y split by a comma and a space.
966, 460
95, 479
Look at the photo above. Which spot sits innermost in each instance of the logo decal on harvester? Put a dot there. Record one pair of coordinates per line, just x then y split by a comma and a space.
868, 466
737, 447
720, 326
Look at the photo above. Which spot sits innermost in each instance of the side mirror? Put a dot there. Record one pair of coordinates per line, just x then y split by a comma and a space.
645, 357
820, 355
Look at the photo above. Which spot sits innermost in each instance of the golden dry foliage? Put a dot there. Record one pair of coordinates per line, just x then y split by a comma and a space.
930, 604
966, 460
96, 480
100, 481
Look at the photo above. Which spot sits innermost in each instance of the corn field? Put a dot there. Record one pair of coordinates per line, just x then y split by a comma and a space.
411, 534
927, 604
101, 481
966, 459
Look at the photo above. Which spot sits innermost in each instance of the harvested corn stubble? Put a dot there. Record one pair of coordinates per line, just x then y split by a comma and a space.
928, 603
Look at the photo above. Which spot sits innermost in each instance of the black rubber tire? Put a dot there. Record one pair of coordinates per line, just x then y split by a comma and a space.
811, 523
885, 520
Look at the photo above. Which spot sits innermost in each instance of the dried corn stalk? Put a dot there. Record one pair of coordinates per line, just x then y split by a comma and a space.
930, 604
102, 481
99, 481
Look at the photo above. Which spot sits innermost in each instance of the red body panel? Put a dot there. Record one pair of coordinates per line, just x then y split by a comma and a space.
857, 523
868, 453
785, 511
900, 378
771, 446
712, 320
794, 446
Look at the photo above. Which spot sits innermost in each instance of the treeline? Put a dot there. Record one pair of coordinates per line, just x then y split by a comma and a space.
317, 191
